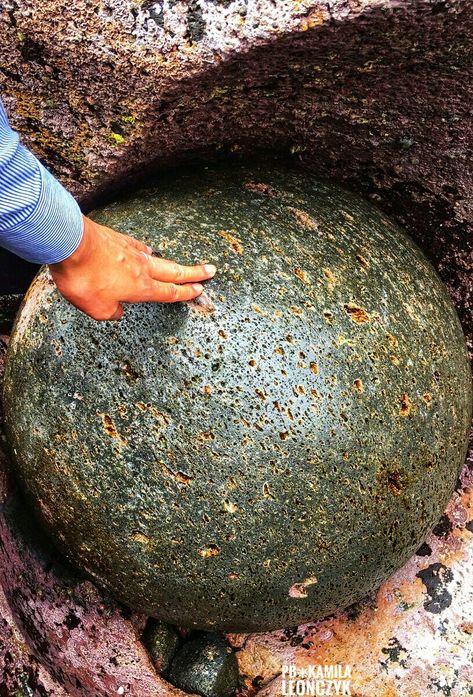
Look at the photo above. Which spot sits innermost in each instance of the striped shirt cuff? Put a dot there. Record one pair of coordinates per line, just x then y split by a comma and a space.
53, 230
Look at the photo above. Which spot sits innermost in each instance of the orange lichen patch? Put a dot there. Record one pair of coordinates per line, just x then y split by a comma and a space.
357, 314
406, 405
362, 261
358, 384
352, 642
257, 660
314, 367
260, 188
453, 549
299, 590
427, 398
234, 242
207, 389
392, 340
211, 551
303, 218
301, 275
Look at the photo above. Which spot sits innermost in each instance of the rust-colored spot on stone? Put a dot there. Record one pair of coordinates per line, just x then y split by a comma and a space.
392, 339
232, 483
234, 242
299, 389
56, 347
229, 506
266, 491
207, 389
182, 478
279, 350
301, 275
110, 428
284, 435
303, 218
329, 276
427, 398
233, 575
261, 393
356, 313
140, 537
358, 384
298, 311
328, 316
205, 436
362, 261
252, 362
394, 483
314, 367
406, 405
211, 551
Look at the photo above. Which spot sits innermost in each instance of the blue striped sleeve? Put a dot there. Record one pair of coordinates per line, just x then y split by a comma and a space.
40, 220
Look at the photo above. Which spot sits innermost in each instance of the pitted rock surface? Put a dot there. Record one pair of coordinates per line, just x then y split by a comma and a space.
269, 461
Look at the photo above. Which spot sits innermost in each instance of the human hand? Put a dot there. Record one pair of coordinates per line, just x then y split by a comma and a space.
109, 268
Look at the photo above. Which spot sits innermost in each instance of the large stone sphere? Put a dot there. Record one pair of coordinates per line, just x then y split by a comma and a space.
264, 460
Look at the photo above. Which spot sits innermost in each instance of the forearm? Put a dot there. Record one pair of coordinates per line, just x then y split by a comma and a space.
39, 219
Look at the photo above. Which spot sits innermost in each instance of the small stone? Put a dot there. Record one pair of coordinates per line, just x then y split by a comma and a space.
205, 665
161, 641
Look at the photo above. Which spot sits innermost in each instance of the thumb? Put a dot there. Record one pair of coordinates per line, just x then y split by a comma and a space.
118, 314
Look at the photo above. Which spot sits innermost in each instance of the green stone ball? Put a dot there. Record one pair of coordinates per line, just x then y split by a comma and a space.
265, 458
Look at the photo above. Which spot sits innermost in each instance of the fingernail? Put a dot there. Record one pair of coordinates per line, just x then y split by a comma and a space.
150, 250
198, 287
210, 269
